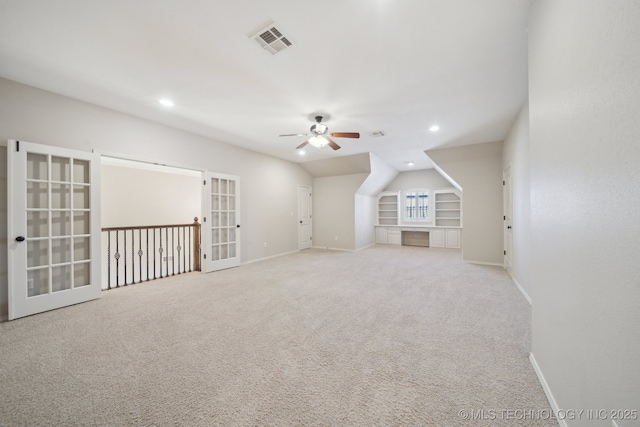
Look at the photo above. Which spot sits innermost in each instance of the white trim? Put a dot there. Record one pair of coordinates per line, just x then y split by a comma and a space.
365, 247
147, 160
526, 295
493, 264
547, 390
269, 257
333, 249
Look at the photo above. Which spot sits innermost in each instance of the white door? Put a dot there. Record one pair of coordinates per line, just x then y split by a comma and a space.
221, 224
53, 227
508, 220
304, 217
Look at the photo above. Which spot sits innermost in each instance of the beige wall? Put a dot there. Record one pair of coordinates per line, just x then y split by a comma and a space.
426, 178
478, 170
516, 156
268, 185
334, 211
584, 99
133, 196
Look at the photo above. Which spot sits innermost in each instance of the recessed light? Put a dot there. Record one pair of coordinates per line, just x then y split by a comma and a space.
166, 102
409, 163
301, 152
434, 128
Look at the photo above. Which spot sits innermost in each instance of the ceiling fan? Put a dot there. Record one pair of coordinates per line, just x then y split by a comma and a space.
320, 136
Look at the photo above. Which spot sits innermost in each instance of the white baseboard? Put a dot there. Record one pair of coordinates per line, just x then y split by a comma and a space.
547, 390
333, 249
365, 247
270, 257
493, 264
526, 295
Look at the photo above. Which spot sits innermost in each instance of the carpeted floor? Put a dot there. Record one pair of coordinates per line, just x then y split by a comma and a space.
385, 336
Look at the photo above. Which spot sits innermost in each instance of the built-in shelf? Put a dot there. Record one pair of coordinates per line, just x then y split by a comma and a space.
448, 209
388, 208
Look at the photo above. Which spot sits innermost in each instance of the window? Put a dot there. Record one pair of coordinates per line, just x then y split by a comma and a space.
416, 205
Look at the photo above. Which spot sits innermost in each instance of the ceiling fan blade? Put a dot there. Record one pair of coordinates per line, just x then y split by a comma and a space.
303, 144
332, 144
345, 134
295, 134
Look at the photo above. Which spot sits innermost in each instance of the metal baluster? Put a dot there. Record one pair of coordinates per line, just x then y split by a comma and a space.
147, 231
184, 249
117, 257
166, 238
190, 247
133, 258
108, 260
173, 253
160, 250
140, 253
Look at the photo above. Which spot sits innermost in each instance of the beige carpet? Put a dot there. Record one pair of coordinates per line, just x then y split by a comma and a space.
385, 336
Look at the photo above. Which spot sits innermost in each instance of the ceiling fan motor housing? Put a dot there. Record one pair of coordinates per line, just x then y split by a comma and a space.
319, 128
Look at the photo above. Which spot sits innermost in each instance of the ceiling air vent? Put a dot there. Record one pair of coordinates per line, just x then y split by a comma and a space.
271, 39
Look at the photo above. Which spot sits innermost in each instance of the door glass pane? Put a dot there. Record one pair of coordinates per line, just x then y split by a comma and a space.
214, 185
61, 277
81, 223
232, 218
232, 250
37, 224
223, 186
37, 252
215, 219
60, 169
37, 282
81, 274
37, 195
80, 197
215, 236
232, 234
37, 166
223, 203
215, 203
81, 248
224, 254
81, 171
223, 235
232, 187
60, 196
60, 251
223, 219
60, 223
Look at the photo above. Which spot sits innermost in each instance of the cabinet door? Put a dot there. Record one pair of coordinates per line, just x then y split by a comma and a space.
381, 235
394, 236
453, 238
436, 238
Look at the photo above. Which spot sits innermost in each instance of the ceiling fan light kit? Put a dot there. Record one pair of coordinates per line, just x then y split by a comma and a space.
319, 136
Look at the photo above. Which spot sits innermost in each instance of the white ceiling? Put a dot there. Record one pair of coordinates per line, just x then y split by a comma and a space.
396, 66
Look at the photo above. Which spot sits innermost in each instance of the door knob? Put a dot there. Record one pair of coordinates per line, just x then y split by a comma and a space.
20, 239
509, 227
238, 226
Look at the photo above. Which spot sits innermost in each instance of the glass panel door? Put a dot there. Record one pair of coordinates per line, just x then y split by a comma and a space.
52, 249
223, 228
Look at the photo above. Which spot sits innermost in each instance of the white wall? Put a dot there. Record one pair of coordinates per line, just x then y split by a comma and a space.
133, 197
426, 178
268, 185
334, 211
478, 170
515, 155
584, 100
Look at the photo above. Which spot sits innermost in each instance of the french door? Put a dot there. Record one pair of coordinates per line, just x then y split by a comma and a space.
221, 221
53, 227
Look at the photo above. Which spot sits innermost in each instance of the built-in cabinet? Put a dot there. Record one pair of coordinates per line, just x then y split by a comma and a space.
439, 237
445, 231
